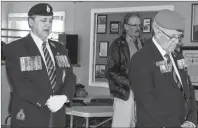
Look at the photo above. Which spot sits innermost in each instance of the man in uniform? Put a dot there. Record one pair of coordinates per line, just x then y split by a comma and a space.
158, 76
40, 74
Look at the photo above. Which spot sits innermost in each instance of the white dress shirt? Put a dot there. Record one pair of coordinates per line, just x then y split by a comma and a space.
39, 43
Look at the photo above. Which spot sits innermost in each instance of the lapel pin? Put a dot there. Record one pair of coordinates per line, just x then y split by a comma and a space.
20, 115
53, 44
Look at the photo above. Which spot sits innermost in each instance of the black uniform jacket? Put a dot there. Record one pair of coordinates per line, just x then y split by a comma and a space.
160, 102
31, 87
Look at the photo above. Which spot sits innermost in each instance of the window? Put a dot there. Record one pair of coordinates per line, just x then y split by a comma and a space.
18, 26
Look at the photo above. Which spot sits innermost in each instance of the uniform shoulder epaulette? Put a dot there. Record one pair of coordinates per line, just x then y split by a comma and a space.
56, 42
61, 43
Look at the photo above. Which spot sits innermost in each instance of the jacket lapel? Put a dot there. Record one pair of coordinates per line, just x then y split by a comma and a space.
156, 57
126, 50
155, 53
33, 50
182, 74
54, 51
58, 69
31, 46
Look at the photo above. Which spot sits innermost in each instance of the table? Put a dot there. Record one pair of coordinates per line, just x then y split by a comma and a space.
89, 111
88, 98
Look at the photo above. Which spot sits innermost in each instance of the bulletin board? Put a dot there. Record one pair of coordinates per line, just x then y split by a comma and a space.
190, 54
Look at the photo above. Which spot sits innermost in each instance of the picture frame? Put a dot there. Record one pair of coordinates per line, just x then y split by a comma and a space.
190, 54
101, 24
114, 27
100, 70
146, 25
194, 23
103, 49
2, 52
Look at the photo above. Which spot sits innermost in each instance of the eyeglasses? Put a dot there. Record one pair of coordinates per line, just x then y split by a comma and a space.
135, 25
179, 37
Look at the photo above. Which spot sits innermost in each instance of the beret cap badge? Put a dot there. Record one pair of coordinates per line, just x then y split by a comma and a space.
41, 9
48, 9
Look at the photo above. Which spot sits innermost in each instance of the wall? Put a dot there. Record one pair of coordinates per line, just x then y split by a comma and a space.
78, 21
78, 17
4, 17
4, 82
84, 8
111, 37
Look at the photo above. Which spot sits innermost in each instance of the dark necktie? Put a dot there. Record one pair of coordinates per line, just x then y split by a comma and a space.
173, 70
136, 45
51, 71
50, 66
175, 77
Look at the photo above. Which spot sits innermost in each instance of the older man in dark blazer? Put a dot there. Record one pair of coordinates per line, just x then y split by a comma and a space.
159, 79
40, 74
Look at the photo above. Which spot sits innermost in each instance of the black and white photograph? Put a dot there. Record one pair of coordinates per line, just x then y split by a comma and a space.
99, 64
191, 58
103, 49
147, 25
194, 23
114, 27
100, 71
102, 24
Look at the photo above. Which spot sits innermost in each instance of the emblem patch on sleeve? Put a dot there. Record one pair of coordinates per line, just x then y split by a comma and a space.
20, 115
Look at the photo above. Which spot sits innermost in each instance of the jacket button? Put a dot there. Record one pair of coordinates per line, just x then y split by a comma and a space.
39, 104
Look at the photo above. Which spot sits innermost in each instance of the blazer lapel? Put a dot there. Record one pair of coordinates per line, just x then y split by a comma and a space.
31, 46
33, 50
54, 51
157, 56
58, 69
155, 53
182, 74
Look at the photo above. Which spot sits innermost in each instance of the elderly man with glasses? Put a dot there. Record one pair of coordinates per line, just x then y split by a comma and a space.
158, 76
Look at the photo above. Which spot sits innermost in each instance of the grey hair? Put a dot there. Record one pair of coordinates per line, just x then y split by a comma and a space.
126, 19
31, 17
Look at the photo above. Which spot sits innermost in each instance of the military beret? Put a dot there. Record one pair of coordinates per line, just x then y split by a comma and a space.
170, 20
42, 9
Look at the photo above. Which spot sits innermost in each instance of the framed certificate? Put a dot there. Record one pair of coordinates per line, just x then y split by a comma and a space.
100, 71
114, 27
103, 49
194, 23
147, 25
102, 24
190, 54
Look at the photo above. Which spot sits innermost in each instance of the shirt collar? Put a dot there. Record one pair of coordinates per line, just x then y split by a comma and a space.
129, 39
37, 40
162, 51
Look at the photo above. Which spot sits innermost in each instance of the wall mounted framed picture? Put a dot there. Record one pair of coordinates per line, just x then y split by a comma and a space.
100, 70
190, 54
194, 23
103, 49
102, 24
147, 25
114, 27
